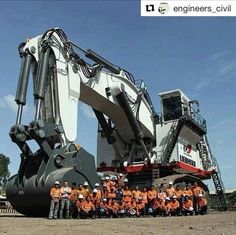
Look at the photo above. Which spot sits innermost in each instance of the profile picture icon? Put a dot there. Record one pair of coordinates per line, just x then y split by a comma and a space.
163, 8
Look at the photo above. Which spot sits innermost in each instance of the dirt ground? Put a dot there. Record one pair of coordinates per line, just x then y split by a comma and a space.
212, 223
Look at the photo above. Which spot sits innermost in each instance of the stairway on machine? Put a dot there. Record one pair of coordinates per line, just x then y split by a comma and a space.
207, 158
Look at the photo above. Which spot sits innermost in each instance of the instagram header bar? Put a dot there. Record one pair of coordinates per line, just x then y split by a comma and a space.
188, 8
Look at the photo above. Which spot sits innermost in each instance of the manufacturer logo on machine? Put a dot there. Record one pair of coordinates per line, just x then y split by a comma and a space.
187, 149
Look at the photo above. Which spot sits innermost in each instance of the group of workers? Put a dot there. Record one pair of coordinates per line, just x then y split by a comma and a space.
115, 199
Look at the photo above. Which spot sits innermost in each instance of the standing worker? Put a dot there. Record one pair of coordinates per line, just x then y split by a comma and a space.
55, 194
65, 201
73, 198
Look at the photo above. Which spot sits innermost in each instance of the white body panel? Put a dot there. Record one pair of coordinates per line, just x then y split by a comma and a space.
68, 93
94, 94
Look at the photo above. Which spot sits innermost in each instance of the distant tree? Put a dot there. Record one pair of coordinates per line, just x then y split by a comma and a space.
4, 172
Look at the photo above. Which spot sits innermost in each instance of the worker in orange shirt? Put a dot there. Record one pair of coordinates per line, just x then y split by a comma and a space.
127, 195
152, 194
113, 208
55, 194
107, 183
188, 191
196, 191
103, 208
85, 190
104, 191
113, 183
170, 191
65, 199
131, 210
111, 195
175, 206
73, 198
94, 196
187, 206
121, 211
140, 207
157, 206
87, 209
145, 199
166, 207
136, 194
201, 204
80, 189
179, 195
99, 192
79, 205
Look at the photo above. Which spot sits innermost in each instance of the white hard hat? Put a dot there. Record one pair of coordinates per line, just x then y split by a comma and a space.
57, 182
200, 195
167, 198
170, 182
95, 190
85, 183
104, 199
174, 196
126, 180
107, 178
120, 174
97, 185
81, 196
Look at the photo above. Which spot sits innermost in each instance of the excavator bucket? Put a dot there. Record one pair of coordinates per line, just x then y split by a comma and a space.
29, 191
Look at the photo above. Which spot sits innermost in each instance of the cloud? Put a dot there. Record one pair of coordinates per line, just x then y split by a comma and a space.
204, 82
221, 68
87, 111
8, 101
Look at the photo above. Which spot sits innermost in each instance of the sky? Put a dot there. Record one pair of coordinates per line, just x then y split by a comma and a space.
194, 54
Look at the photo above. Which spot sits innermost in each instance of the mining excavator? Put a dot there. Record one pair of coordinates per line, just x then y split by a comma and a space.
149, 148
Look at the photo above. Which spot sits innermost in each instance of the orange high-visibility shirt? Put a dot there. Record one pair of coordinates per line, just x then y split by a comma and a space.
174, 204
144, 197
85, 192
94, 198
136, 195
140, 205
170, 192
111, 195
152, 194
197, 190
156, 203
79, 204
74, 195
201, 201
188, 203
166, 206
127, 196
127, 205
188, 192
133, 205
102, 205
178, 193
99, 194
55, 192
115, 206
108, 185
87, 206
